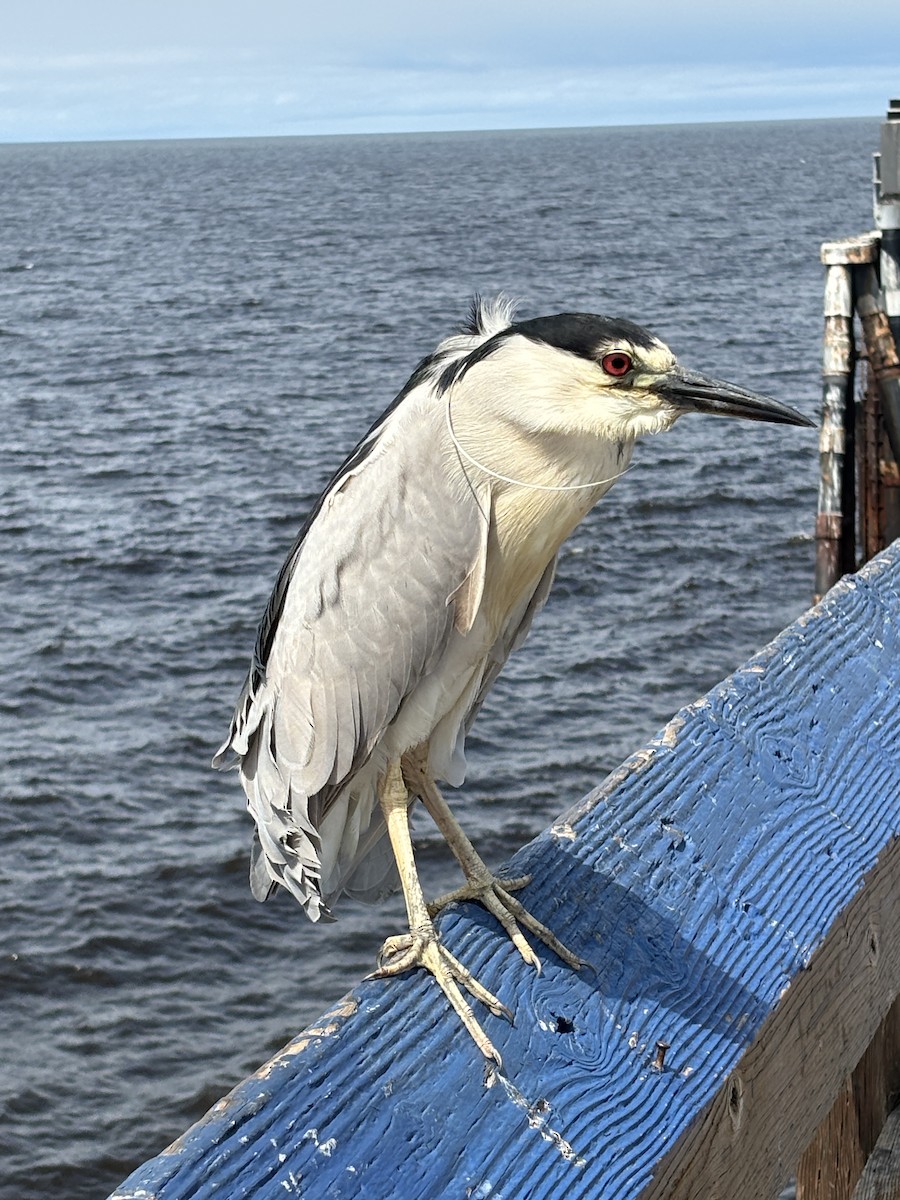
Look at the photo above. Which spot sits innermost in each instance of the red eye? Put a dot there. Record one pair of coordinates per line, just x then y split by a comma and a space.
617, 363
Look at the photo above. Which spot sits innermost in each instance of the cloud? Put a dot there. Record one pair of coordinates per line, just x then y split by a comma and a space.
180, 92
227, 67
50, 64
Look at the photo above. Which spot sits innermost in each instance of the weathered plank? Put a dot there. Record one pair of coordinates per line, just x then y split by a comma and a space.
835, 532
881, 1178
735, 890
884, 359
833, 1162
850, 251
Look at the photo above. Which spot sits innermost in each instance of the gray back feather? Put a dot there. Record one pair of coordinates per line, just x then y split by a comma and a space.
362, 609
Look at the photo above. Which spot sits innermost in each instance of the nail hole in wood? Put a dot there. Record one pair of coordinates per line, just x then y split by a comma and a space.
736, 1102
874, 947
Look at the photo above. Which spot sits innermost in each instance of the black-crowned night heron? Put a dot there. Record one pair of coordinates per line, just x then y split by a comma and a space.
418, 572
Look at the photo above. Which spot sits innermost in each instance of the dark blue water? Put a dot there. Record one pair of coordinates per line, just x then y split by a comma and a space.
191, 335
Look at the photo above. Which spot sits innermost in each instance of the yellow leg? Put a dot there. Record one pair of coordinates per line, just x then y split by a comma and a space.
421, 947
482, 884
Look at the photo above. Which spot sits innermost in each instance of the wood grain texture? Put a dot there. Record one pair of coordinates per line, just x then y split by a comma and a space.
835, 524
863, 248
881, 1178
735, 890
833, 1162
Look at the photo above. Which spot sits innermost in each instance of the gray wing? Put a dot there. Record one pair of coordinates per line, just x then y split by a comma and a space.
363, 609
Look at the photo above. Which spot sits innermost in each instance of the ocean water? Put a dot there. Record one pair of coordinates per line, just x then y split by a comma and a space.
192, 334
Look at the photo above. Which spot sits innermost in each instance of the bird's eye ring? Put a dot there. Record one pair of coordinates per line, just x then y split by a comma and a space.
616, 363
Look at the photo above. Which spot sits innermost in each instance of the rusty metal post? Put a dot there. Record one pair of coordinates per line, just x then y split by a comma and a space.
882, 352
872, 526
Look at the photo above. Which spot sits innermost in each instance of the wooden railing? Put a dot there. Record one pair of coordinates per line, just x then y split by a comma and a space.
735, 890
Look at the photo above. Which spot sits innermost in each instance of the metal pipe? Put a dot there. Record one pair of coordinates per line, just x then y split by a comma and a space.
887, 214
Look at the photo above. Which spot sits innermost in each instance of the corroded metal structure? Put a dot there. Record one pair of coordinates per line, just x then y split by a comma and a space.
859, 444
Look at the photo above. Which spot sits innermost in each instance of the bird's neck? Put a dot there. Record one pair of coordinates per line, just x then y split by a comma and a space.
529, 524
541, 478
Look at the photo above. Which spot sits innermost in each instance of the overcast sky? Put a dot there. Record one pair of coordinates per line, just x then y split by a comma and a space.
82, 69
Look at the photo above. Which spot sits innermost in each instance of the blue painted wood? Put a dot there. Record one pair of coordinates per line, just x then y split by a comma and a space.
697, 881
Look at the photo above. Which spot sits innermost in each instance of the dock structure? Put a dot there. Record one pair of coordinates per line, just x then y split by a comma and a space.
859, 439
734, 889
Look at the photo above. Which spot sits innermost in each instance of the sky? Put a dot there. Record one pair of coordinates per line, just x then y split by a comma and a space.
97, 69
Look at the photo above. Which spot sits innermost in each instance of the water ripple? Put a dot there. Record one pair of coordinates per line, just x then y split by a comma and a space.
194, 334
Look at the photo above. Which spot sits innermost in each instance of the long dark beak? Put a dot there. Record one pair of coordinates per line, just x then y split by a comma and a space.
691, 392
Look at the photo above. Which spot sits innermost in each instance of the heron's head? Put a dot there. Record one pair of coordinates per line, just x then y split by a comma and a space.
586, 374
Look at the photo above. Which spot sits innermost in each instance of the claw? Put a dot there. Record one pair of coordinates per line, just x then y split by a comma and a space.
423, 949
398, 954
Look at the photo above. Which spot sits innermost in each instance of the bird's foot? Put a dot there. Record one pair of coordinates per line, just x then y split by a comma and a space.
423, 949
495, 895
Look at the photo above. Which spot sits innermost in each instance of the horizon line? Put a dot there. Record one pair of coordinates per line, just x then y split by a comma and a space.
249, 137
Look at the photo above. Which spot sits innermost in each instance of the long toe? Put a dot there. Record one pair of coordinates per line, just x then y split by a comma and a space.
398, 954
464, 976
495, 895
403, 953
473, 891
444, 968
520, 913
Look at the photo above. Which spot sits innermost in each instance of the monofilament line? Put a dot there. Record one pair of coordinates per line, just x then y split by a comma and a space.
538, 487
